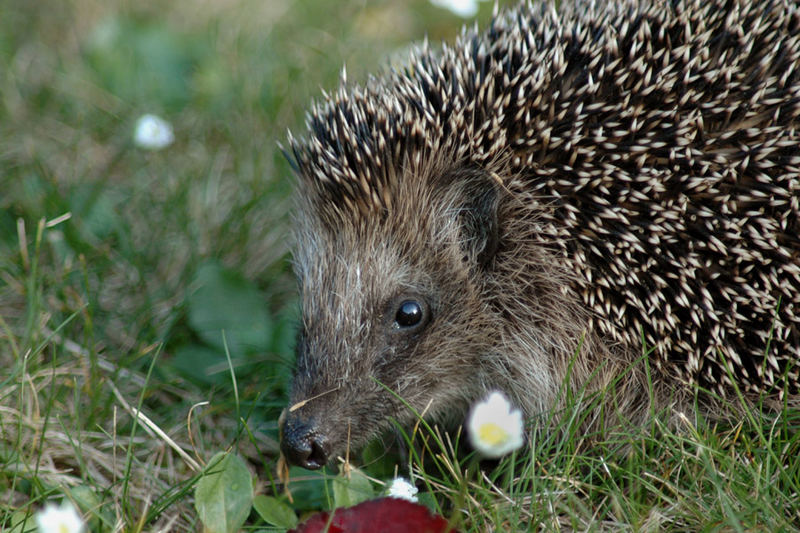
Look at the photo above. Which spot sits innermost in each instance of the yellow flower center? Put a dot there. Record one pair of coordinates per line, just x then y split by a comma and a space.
492, 434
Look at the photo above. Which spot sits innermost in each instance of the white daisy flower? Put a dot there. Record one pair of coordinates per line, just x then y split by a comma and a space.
495, 428
462, 8
153, 133
403, 489
64, 519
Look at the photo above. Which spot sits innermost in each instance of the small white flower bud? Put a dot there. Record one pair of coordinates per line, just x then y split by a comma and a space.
153, 133
64, 519
403, 489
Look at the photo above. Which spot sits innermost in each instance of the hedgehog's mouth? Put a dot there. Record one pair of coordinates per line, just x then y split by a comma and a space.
311, 440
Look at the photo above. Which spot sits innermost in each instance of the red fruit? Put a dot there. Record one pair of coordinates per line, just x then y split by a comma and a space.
384, 515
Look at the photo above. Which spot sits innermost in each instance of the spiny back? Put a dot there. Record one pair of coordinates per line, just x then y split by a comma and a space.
654, 145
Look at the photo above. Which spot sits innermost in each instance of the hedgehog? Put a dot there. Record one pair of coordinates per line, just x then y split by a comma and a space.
602, 195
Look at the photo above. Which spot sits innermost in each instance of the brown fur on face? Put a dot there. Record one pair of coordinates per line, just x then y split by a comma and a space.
367, 268
558, 193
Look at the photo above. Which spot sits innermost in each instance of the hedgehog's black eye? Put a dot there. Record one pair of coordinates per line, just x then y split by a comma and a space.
409, 314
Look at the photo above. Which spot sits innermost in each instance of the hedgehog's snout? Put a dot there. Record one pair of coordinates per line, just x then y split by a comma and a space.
302, 442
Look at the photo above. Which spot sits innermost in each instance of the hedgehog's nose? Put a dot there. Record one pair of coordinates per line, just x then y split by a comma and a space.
302, 445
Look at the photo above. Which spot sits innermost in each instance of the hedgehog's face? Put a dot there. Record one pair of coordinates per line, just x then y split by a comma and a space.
393, 321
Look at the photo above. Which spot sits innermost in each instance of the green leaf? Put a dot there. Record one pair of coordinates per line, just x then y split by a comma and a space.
275, 512
309, 488
88, 501
143, 61
200, 363
23, 522
223, 300
96, 212
428, 500
382, 460
223, 497
352, 491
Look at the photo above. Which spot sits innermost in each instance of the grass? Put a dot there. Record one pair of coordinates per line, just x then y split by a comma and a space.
119, 268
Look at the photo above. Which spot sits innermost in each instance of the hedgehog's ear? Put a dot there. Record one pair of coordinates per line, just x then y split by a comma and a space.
480, 233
